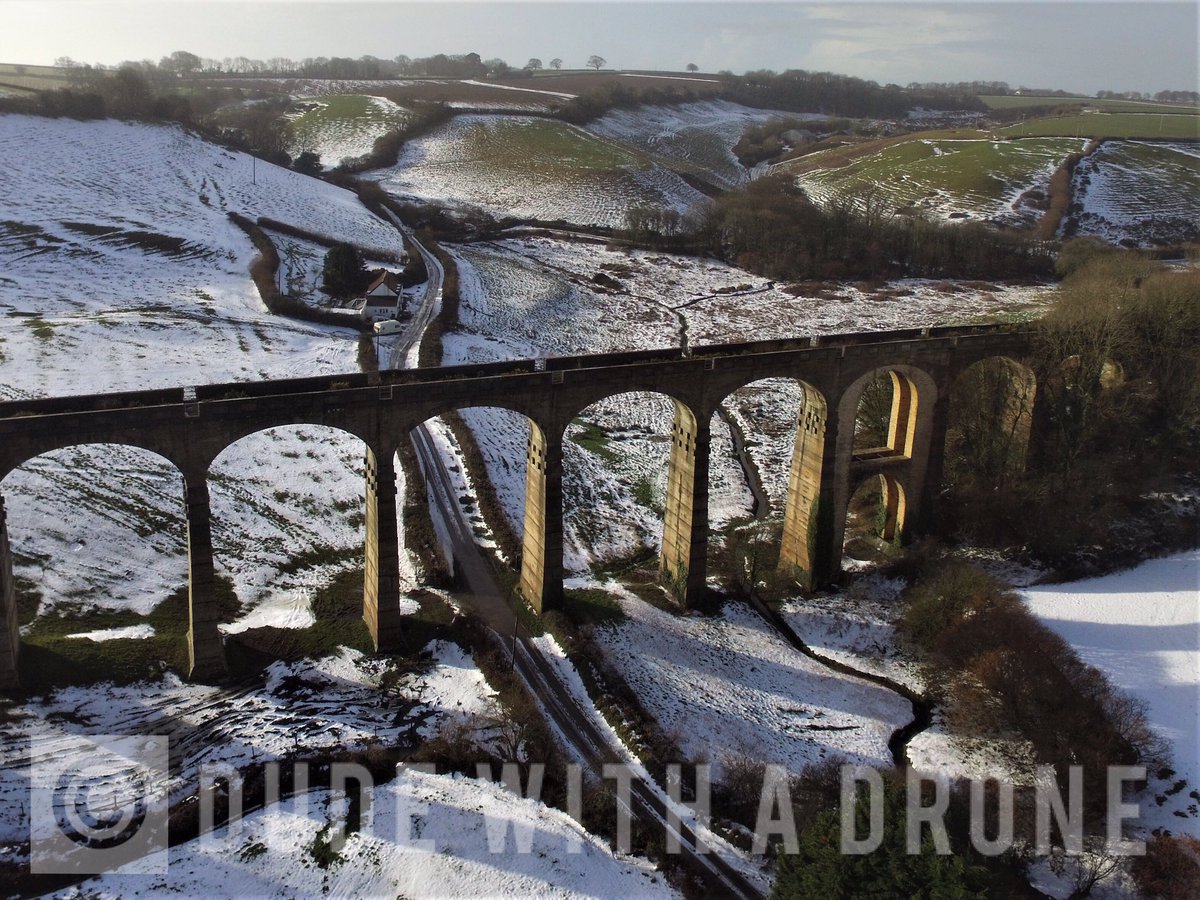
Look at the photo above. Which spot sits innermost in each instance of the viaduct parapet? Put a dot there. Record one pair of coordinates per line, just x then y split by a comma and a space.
191, 426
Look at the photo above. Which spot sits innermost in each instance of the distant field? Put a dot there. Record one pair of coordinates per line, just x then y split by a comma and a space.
578, 82
32, 78
345, 125
977, 177
549, 146
1139, 192
1166, 125
1132, 106
543, 92
697, 138
532, 167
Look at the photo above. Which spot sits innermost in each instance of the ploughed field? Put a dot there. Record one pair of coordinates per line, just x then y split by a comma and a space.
1138, 192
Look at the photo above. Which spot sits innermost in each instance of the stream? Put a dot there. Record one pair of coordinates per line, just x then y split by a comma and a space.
922, 708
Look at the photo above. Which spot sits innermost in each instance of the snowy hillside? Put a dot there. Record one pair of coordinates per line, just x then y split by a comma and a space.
1138, 192
699, 134
1141, 627
730, 686
428, 836
532, 168
340, 703
119, 270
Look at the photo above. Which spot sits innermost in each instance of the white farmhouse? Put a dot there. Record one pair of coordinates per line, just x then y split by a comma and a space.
384, 298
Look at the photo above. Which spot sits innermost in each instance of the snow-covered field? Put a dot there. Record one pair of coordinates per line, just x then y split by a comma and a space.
428, 836
425, 835
729, 687
120, 270
701, 135
532, 168
1141, 627
1139, 192
334, 704
859, 630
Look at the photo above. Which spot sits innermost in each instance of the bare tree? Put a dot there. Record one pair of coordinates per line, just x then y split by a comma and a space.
1096, 864
597, 62
692, 67
556, 63
181, 62
533, 64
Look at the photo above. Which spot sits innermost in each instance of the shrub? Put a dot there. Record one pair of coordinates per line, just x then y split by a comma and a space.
938, 602
1006, 670
1170, 870
821, 871
307, 163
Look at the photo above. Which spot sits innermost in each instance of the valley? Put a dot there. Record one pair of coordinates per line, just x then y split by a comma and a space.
122, 269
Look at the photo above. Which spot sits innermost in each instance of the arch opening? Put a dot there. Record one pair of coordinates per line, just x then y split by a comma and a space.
477, 493
989, 424
780, 425
875, 520
886, 416
288, 528
623, 503
97, 543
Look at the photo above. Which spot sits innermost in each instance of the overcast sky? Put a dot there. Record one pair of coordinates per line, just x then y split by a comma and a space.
1080, 46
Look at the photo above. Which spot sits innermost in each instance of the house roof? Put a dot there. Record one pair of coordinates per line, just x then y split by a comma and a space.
385, 281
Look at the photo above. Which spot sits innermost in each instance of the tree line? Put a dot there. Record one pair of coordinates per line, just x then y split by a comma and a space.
797, 90
771, 227
1116, 421
368, 68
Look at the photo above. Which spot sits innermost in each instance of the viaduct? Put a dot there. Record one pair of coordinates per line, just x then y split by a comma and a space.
190, 427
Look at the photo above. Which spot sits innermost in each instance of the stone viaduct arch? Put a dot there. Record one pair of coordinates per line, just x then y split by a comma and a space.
190, 427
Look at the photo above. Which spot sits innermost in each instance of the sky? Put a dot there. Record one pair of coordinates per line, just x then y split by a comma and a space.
1076, 46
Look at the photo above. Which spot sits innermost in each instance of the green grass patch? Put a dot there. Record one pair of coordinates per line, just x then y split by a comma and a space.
337, 609
321, 555
342, 115
49, 658
321, 848
1164, 126
645, 495
552, 148
972, 175
592, 606
594, 439
41, 329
